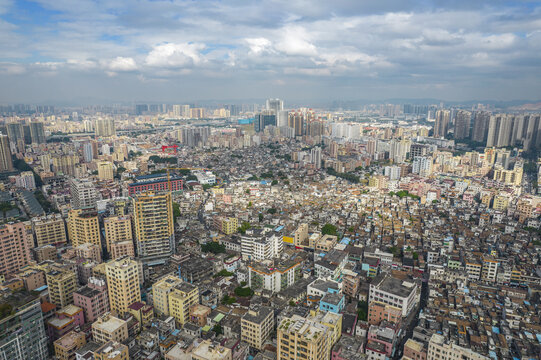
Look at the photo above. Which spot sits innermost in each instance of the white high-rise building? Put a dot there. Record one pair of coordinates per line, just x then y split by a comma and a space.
261, 244
105, 127
315, 157
422, 165
275, 105
83, 193
282, 118
88, 154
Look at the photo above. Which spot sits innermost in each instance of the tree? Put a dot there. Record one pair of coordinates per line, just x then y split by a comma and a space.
260, 217
243, 291
228, 300
176, 212
213, 247
292, 303
351, 229
218, 329
244, 226
271, 211
224, 273
329, 229
274, 182
362, 310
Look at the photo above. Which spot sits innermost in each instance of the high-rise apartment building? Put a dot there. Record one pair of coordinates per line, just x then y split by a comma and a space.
105, 170
315, 157
49, 229
15, 132
83, 193
6, 163
23, 332
480, 126
153, 224
117, 229
15, 247
462, 124
104, 127
123, 284
93, 299
37, 132
83, 227
61, 285
88, 153
282, 118
26, 180
65, 164
181, 298
441, 126
257, 326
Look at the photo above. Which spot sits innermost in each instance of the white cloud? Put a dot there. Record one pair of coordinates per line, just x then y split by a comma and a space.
295, 40
175, 55
259, 45
122, 64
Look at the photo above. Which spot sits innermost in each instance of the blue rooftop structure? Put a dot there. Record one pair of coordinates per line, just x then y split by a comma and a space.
246, 121
41, 288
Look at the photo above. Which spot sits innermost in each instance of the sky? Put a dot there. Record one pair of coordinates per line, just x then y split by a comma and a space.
298, 50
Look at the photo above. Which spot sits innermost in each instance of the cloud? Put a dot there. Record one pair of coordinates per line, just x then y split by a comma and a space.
259, 45
295, 40
172, 55
122, 64
341, 47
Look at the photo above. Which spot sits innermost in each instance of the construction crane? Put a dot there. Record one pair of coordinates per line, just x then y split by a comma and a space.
174, 147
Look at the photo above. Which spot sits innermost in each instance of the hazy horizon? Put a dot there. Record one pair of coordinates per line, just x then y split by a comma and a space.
67, 51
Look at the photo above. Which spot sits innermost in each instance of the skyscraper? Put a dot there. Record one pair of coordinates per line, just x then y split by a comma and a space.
83, 227
276, 105
315, 157
105, 170
282, 118
105, 127
37, 132
441, 125
123, 284
6, 164
88, 153
153, 220
480, 126
462, 124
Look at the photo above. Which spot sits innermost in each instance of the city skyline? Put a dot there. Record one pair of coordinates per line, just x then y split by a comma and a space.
79, 51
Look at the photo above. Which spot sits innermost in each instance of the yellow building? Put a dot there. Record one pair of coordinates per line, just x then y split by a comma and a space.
257, 326
332, 321
83, 227
509, 177
230, 225
160, 293
105, 170
301, 234
61, 285
154, 230
49, 229
501, 202
299, 337
117, 229
122, 284
112, 350
181, 298
109, 328
65, 347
